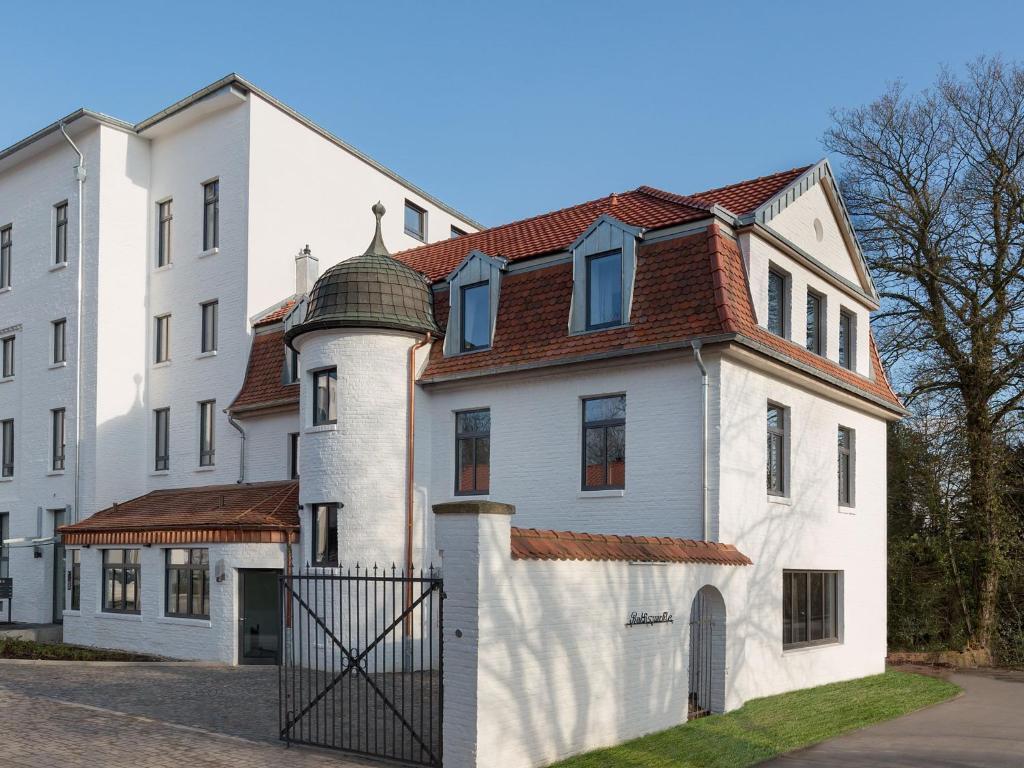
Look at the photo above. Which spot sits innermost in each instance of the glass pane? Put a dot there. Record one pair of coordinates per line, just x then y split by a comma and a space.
604, 408
413, 220
829, 618
844, 340
113, 556
800, 618
466, 471
474, 422
813, 322
787, 608
774, 463
774, 418
131, 556
776, 299
177, 556
483, 463
196, 590
109, 588
594, 458
617, 456
604, 285
260, 624
816, 608
476, 316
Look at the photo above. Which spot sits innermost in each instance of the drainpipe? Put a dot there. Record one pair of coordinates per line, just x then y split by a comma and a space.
705, 521
80, 178
241, 454
410, 458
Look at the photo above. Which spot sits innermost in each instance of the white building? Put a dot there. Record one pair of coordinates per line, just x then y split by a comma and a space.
678, 395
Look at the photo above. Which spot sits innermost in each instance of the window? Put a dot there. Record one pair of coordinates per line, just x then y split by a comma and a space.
476, 316
846, 466
60, 233
5, 257
75, 578
122, 577
847, 338
188, 583
162, 339
325, 397
604, 443
291, 364
211, 215
8, 345
456, 232
161, 432
206, 433
209, 338
777, 303
777, 446
5, 533
415, 221
60, 344
604, 290
293, 455
57, 458
815, 337
810, 603
473, 452
8, 448
325, 534
165, 215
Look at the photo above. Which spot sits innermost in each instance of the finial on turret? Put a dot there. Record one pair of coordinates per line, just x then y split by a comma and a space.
377, 247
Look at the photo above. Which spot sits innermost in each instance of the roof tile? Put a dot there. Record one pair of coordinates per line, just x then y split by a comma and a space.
536, 544
264, 385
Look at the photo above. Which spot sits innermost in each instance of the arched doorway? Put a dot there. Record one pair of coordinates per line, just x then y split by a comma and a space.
707, 654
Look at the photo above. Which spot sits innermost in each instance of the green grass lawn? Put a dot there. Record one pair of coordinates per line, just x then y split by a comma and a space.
764, 728
14, 648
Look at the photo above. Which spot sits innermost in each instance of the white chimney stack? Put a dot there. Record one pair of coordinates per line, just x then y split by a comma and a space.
307, 270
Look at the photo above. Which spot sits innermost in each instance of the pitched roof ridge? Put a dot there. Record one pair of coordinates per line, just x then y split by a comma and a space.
674, 197
745, 182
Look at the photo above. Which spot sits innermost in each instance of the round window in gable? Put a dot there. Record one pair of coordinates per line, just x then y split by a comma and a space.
819, 231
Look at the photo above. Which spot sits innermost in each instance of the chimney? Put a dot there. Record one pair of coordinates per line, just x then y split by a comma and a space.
307, 270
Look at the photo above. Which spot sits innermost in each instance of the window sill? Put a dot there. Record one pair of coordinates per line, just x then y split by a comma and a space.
58, 267
486, 496
7, 479
71, 612
811, 647
159, 472
119, 616
7, 289
164, 268
209, 252
847, 509
184, 622
211, 468
607, 493
55, 472
785, 501
322, 428
211, 353
5, 379
61, 364
162, 364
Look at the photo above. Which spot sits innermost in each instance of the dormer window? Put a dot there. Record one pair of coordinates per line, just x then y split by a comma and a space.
475, 304
604, 290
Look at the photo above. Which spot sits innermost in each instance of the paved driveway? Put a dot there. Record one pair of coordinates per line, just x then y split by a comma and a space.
983, 727
145, 716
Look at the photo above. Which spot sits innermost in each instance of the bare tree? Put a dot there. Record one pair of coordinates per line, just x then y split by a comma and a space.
933, 181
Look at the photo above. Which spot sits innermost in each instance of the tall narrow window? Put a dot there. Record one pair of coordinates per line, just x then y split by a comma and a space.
810, 608
777, 303
325, 534
5, 257
473, 452
206, 433
415, 221
75, 578
188, 583
325, 397
60, 234
8, 354
209, 340
162, 339
60, 344
604, 443
847, 324
165, 215
846, 466
604, 290
777, 445
293, 455
8, 448
122, 581
161, 437
5, 533
58, 439
291, 363
815, 337
211, 215
476, 316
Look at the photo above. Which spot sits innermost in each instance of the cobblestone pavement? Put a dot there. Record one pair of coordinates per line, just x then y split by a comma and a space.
142, 716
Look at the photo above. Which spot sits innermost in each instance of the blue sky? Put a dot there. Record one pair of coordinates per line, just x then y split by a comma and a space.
506, 110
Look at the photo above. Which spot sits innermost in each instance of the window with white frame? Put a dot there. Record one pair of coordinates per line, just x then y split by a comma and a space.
6, 247
60, 233
60, 340
415, 221
207, 448
778, 446
8, 355
58, 440
208, 341
165, 218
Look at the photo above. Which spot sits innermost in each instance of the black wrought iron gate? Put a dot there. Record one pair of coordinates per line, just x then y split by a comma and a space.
361, 663
702, 631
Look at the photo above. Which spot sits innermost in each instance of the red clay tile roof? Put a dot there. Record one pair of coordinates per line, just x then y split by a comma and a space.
250, 508
264, 385
275, 315
534, 544
746, 196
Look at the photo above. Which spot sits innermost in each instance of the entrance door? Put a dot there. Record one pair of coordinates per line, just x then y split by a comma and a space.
59, 566
259, 630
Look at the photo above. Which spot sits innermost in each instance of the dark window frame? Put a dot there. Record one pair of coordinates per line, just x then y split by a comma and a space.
207, 442
831, 586
815, 342
604, 425
209, 322
463, 291
456, 232
59, 335
332, 396
291, 364
74, 585
420, 233
60, 233
58, 439
293, 455
162, 338
6, 252
474, 437
161, 447
211, 215
5, 552
7, 447
618, 321
330, 509
193, 572
9, 346
846, 469
782, 329
124, 567
847, 339
779, 434
164, 232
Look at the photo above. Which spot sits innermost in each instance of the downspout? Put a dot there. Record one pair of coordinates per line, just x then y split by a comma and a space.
705, 521
80, 178
241, 455
410, 458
